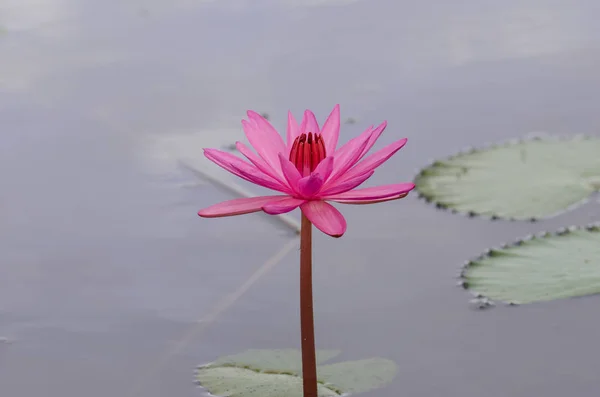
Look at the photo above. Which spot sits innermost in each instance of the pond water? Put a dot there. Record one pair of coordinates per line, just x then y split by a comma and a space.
111, 285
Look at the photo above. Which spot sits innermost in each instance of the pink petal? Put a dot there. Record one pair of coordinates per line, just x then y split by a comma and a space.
293, 131
349, 184
309, 123
324, 168
375, 135
270, 131
374, 160
259, 162
346, 156
359, 202
282, 206
331, 130
264, 142
374, 193
242, 169
325, 217
290, 172
237, 207
310, 185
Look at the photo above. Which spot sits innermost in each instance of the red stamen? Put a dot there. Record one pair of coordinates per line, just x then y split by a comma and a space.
307, 152
294, 151
306, 164
299, 162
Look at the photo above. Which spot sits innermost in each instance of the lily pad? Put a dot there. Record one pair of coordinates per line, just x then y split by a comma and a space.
523, 180
277, 373
240, 382
359, 376
540, 268
282, 360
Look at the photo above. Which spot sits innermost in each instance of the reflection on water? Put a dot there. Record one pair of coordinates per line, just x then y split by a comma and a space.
33, 15
107, 276
262, 46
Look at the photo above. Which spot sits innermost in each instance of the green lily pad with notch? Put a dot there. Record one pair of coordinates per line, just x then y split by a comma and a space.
277, 373
541, 268
524, 180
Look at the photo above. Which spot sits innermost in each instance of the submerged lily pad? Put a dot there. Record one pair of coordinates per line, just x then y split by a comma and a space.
541, 268
520, 180
277, 373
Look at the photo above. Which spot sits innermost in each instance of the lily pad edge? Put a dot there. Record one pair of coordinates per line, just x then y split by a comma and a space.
486, 301
532, 137
271, 372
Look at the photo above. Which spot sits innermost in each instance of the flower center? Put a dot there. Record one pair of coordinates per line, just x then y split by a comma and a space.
307, 152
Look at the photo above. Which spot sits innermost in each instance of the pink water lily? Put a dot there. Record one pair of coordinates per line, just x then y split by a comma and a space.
308, 171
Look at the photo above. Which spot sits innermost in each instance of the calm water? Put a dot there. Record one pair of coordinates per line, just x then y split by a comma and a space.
110, 285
